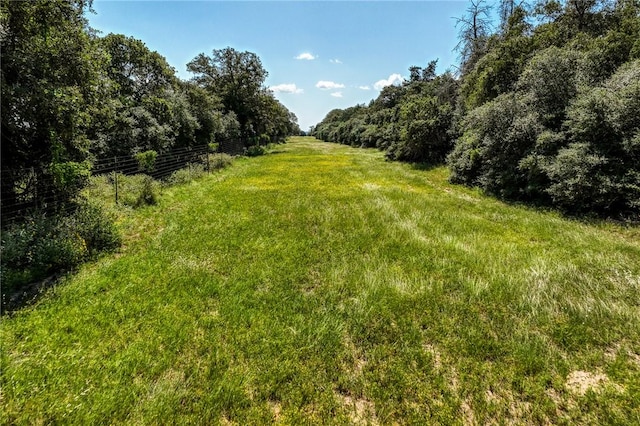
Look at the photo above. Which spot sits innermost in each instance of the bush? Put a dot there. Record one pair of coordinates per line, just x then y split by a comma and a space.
44, 245
186, 175
550, 82
148, 192
219, 161
579, 179
600, 170
496, 137
135, 190
194, 171
424, 136
464, 160
147, 160
254, 151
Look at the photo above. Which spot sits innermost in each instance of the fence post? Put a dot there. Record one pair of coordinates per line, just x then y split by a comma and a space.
115, 176
207, 154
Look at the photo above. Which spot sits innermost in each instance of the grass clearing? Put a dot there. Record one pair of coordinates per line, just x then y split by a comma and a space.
322, 284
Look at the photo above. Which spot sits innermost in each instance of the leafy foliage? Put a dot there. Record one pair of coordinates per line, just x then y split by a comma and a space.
43, 244
544, 108
147, 160
51, 87
237, 79
411, 122
70, 98
600, 169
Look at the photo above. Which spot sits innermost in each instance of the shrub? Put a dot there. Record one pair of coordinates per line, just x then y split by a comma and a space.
464, 160
43, 245
133, 191
254, 151
496, 137
148, 194
70, 177
219, 161
550, 82
194, 171
101, 189
600, 170
579, 179
424, 135
95, 227
147, 160
186, 174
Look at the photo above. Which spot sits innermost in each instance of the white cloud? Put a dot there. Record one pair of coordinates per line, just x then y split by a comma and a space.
328, 85
335, 61
306, 56
393, 79
337, 94
286, 88
364, 87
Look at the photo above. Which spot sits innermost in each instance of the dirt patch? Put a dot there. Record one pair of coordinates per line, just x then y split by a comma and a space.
468, 417
453, 379
371, 186
361, 411
435, 355
513, 410
491, 397
612, 352
276, 410
314, 281
580, 382
171, 381
224, 420
622, 349
355, 366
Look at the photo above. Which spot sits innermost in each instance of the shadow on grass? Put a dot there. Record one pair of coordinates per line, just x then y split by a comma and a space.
425, 167
28, 294
541, 205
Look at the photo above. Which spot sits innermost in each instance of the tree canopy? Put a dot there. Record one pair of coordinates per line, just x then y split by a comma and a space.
537, 111
70, 97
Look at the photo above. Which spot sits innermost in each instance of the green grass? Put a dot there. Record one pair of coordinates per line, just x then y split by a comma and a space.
321, 284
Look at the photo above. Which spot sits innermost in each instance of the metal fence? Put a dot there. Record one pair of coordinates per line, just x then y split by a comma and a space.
164, 165
24, 191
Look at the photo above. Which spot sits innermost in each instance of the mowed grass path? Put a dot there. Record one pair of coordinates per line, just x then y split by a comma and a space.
321, 284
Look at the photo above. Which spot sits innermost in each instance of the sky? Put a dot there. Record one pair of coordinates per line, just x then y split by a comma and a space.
320, 55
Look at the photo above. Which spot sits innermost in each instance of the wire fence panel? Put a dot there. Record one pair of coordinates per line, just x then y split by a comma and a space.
25, 191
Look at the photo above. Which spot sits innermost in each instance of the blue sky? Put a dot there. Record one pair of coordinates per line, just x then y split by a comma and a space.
319, 55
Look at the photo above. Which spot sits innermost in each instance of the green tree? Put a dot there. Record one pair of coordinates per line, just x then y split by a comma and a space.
135, 70
550, 82
144, 108
207, 111
237, 78
51, 87
600, 169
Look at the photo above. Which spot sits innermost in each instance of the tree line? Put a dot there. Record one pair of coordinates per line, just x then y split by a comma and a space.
544, 107
71, 96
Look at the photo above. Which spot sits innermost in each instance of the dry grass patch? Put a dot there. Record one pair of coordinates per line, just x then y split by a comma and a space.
580, 382
361, 411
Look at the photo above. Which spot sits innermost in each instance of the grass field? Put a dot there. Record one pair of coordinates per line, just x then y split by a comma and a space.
321, 284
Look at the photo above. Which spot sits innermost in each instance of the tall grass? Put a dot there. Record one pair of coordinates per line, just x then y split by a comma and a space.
325, 285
